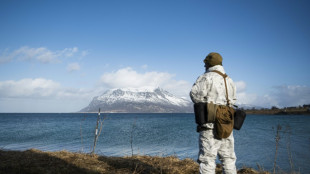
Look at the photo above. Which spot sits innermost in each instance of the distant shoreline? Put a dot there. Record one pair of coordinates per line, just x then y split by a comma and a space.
276, 112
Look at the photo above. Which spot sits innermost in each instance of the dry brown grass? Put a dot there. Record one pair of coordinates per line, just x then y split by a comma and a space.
36, 161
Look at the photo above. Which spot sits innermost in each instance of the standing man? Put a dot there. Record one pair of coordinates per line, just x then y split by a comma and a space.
210, 87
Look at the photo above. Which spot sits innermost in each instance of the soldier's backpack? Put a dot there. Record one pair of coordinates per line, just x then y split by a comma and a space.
224, 122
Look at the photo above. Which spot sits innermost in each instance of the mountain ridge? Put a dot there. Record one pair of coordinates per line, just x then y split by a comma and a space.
139, 100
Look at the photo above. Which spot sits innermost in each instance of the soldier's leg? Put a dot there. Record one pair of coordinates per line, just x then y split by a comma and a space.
227, 155
208, 147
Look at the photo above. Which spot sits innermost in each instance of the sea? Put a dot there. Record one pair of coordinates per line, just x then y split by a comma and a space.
262, 142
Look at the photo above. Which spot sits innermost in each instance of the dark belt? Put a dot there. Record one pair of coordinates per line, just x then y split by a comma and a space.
201, 128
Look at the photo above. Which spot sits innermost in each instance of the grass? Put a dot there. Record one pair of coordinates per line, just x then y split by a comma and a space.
36, 161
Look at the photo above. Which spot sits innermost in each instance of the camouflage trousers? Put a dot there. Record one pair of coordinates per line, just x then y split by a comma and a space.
209, 148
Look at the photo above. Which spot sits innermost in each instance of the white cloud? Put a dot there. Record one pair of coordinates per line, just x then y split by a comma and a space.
241, 86
41, 88
73, 67
69, 52
288, 95
84, 53
28, 88
144, 66
280, 96
41, 54
127, 77
40, 105
5, 57
42, 95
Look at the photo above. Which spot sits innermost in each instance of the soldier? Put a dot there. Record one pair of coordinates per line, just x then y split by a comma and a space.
210, 87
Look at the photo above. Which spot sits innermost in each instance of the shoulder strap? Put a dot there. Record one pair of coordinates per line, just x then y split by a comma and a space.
224, 76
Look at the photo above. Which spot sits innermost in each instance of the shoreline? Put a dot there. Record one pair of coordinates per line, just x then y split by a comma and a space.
276, 112
37, 161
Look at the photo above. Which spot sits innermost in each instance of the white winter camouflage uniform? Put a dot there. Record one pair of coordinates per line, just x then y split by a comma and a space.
210, 87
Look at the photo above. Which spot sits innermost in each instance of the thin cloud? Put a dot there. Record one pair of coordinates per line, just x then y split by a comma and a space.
73, 67
5, 56
84, 53
41, 54
69, 52
144, 66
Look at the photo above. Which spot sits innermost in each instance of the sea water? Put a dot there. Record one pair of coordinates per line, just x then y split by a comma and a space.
256, 144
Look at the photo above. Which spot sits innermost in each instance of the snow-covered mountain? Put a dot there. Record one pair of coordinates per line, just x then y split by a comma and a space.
139, 100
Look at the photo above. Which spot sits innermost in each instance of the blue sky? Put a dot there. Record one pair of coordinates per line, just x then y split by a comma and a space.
55, 56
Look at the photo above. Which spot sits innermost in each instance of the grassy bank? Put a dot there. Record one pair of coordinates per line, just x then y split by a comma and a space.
36, 161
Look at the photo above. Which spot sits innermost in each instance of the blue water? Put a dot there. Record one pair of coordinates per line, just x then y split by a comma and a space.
158, 134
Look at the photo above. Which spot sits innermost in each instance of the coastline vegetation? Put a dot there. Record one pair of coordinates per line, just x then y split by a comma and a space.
36, 161
294, 110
